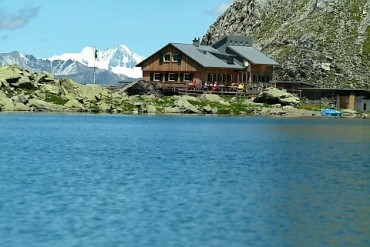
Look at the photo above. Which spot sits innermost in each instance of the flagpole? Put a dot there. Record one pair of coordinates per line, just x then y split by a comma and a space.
94, 74
95, 56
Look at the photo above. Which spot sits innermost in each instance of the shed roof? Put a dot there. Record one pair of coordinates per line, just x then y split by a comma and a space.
253, 55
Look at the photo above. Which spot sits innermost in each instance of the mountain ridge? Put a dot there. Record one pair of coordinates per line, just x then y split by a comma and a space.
322, 42
112, 65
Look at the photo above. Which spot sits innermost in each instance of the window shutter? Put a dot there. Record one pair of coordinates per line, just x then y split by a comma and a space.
151, 76
179, 57
191, 77
166, 76
181, 76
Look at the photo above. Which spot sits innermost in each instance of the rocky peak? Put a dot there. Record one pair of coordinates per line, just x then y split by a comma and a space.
323, 42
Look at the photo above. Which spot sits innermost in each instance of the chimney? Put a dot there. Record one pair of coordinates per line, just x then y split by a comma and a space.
196, 42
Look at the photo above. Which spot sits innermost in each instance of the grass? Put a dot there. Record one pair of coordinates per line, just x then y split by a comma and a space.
56, 100
312, 107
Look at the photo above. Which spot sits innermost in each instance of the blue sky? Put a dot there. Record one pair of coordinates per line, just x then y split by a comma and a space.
50, 27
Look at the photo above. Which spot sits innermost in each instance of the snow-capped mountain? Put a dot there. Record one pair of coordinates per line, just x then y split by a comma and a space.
112, 65
65, 69
119, 60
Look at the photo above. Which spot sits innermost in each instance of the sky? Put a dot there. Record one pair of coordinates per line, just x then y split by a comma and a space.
44, 28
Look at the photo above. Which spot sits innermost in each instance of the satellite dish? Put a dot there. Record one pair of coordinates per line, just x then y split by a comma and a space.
246, 64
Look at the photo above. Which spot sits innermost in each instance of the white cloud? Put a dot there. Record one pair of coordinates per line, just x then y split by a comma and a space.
17, 20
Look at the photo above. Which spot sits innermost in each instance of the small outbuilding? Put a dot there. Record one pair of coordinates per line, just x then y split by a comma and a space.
354, 99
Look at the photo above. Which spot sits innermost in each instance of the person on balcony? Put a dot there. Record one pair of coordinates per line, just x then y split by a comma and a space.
214, 87
241, 86
205, 86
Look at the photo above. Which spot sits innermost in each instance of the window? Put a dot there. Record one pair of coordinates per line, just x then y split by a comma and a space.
187, 77
157, 77
210, 77
172, 77
221, 78
175, 58
229, 78
166, 57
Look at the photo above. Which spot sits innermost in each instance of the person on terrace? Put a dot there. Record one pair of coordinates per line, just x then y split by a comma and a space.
214, 86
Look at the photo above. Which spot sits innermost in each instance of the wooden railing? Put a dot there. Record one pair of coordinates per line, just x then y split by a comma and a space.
249, 89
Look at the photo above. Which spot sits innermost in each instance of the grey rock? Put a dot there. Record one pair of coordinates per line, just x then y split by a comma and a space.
151, 109
185, 106
40, 105
22, 98
143, 88
275, 96
6, 104
171, 110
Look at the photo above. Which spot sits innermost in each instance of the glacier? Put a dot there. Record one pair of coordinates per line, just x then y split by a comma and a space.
119, 60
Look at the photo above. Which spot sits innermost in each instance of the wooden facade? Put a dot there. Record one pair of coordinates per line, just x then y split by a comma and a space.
155, 64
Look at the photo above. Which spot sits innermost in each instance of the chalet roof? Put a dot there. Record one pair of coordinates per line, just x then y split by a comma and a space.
205, 56
217, 56
253, 55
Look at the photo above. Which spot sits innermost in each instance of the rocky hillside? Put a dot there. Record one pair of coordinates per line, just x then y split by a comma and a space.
22, 90
323, 42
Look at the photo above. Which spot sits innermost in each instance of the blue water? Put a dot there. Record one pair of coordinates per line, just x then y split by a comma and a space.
115, 180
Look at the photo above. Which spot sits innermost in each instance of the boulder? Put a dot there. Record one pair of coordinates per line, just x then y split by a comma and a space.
142, 87
4, 83
190, 98
210, 97
151, 109
6, 104
207, 109
21, 98
51, 89
214, 98
45, 77
185, 106
18, 106
69, 85
40, 105
276, 96
104, 107
171, 110
87, 93
74, 105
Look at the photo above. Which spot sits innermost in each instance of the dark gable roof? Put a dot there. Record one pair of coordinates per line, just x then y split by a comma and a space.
210, 57
205, 56
253, 55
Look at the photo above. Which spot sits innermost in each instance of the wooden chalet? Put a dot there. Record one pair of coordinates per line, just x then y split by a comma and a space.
230, 61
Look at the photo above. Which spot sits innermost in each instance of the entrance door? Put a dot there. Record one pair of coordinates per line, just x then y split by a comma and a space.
243, 77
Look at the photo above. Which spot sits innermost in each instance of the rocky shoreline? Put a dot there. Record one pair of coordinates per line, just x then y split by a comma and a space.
25, 91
